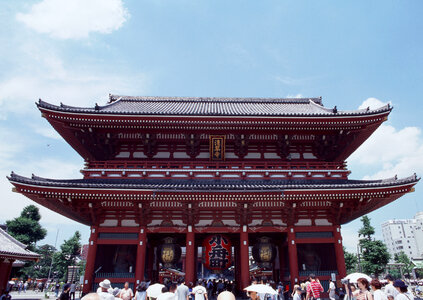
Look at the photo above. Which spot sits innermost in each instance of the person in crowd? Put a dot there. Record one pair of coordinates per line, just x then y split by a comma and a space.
389, 288
169, 294
199, 292
25, 286
402, 289
253, 295
350, 291
279, 289
363, 290
378, 294
209, 287
226, 295
314, 288
72, 290
297, 295
141, 293
294, 290
303, 289
126, 293
57, 289
105, 285
115, 292
182, 291
332, 290
65, 293
91, 296
6, 296
220, 287
190, 287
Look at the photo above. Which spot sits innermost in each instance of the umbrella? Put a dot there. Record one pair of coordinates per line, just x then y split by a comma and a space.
261, 288
354, 276
155, 290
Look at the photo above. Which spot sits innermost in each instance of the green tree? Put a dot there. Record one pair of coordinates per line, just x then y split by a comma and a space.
403, 258
39, 269
350, 261
69, 251
374, 253
26, 228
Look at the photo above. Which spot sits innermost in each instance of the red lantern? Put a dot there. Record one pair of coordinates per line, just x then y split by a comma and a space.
217, 252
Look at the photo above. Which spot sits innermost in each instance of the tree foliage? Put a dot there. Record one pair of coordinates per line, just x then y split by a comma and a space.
39, 269
403, 258
350, 261
67, 256
367, 230
374, 253
26, 228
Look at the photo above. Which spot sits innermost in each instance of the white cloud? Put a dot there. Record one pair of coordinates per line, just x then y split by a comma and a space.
397, 151
372, 103
47, 76
295, 96
75, 19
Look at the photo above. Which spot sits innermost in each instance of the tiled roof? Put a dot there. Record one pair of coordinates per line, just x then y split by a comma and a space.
202, 106
13, 249
212, 184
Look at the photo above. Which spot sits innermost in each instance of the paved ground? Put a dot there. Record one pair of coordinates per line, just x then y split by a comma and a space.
31, 295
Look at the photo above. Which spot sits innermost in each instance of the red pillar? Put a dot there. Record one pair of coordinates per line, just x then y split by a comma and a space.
89, 267
141, 250
293, 256
5, 270
190, 256
244, 258
339, 252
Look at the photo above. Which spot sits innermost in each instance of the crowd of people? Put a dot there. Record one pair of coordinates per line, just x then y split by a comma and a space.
375, 290
310, 289
203, 290
222, 289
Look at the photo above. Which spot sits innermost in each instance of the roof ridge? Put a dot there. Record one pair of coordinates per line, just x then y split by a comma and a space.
115, 98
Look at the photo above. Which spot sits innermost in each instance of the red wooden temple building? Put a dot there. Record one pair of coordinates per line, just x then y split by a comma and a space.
245, 175
11, 250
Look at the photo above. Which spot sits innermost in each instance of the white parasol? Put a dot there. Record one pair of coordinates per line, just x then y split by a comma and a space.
261, 288
155, 290
354, 276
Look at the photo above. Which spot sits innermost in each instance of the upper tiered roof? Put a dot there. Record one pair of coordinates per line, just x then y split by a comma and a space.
205, 106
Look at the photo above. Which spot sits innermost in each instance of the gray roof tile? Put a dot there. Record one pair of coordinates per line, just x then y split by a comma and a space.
213, 107
213, 184
12, 248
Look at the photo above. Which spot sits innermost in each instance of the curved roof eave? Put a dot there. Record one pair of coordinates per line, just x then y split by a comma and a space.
202, 185
325, 112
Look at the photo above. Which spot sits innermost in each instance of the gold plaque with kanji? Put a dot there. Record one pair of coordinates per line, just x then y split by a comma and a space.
217, 147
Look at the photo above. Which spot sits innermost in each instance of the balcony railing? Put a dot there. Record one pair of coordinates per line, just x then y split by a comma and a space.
114, 275
204, 170
318, 273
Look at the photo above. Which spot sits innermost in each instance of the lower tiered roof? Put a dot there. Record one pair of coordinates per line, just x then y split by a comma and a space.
214, 185
91, 201
10, 248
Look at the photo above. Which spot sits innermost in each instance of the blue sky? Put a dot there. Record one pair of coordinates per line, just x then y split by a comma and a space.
76, 52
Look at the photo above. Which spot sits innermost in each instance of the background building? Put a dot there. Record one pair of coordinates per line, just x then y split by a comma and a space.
404, 235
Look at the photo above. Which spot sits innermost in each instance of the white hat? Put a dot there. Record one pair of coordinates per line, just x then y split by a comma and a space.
105, 284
